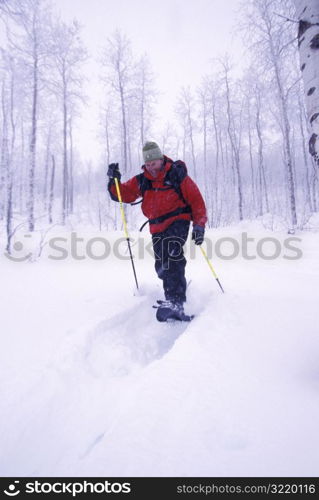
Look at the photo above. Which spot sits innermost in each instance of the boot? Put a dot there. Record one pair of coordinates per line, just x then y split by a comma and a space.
171, 310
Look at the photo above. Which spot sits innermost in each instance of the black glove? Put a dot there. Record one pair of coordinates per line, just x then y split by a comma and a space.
198, 234
114, 172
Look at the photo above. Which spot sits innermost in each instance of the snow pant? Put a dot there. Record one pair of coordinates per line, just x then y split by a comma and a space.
170, 261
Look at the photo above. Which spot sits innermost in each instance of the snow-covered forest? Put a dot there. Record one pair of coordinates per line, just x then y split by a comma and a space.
243, 131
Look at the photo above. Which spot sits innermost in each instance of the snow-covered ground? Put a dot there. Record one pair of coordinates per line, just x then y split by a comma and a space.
92, 385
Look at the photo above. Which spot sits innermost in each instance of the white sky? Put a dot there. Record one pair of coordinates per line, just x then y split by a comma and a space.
181, 38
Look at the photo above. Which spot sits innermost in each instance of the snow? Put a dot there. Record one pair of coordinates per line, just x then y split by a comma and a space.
92, 385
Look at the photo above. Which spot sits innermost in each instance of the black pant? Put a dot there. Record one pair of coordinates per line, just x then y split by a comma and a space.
170, 261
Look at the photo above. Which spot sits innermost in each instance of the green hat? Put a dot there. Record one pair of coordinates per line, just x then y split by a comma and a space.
151, 151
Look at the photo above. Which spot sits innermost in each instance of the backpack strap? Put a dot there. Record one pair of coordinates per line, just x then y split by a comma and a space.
162, 218
144, 183
175, 177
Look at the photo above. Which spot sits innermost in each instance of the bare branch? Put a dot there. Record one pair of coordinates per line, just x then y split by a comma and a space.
287, 18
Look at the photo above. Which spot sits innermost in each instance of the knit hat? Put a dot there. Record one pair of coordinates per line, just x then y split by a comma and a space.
151, 151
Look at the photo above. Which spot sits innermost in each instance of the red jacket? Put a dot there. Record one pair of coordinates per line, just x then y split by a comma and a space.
158, 203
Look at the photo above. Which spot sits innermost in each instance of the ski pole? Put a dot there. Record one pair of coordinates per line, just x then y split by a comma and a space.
125, 226
211, 268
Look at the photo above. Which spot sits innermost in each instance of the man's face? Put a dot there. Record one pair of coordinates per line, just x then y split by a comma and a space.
154, 166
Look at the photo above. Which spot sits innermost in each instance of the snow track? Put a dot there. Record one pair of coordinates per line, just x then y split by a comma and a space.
130, 339
124, 342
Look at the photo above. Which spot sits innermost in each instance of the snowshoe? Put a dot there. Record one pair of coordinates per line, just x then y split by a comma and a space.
171, 311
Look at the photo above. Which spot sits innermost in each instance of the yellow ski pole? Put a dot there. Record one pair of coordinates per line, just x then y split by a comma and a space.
118, 192
211, 268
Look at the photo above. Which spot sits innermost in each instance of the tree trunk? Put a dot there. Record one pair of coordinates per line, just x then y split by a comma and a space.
191, 137
9, 209
314, 185
4, 152
52, 180
261, 164
235, 148
107, 139
206, 174
142, 111
71, 182
33, 142
124, 127
10, 172
215, 177
46, 171
65, 161
308, 41
251, 161
305, 156
22, 170
285, 128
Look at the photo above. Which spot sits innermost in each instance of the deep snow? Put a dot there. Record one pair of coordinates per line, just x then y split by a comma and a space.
92, 385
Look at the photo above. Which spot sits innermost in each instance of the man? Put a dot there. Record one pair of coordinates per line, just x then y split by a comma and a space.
170, 200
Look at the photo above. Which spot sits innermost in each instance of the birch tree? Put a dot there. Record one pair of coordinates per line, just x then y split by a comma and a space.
272, 42
216, 127
4, 146
51, 192
234, 131
262, 183
186, 111
204, 103
67, 57
308, 41
9, 111
145, 96
26, 24
117, 62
